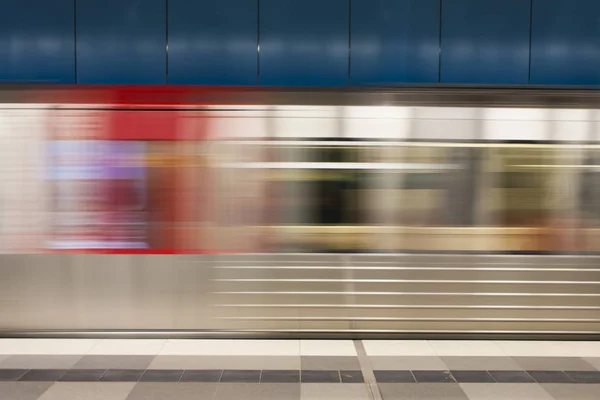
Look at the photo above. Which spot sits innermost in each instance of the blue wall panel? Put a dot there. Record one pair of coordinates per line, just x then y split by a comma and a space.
565, 42
485, 41
37, 41
213, 42
121, 41
394, 41
304, 43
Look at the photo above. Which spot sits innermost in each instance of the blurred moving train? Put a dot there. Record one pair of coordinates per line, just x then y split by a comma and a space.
324, 212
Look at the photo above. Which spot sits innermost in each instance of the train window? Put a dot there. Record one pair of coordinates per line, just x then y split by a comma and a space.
523, 185
343, 196
517, 179
318, 194
423, 181
438, 187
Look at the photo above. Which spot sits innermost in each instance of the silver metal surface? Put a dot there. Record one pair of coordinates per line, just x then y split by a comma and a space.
299, 295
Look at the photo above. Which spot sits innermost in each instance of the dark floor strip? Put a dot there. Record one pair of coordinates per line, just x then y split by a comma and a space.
207, 375
394, 376
12, 374
352, 377
307, 376
584, 376
295, 376
550, 377
473, 377
249, 376
433, 376
511, 376
43, 375
162, 375
283, 376
122, 375
488, 376
83, 375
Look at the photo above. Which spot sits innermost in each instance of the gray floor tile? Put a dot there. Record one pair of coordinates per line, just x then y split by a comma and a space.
550, 377
394, 376
505, 391
422, 391
352, 377
173, 391
185, 362
280, 376
433, 376
226, 362
593, 361
43, 375
554, 364
388, 363
319, 376
87, 391
472, 376
333, 391
11, 374
203, 375
348, 363
31, 361
160, 375
114, 362
248, 376
511, 376
481, 363
584, 376
122, 375
82, 375
23, 390
573, 392
258, 391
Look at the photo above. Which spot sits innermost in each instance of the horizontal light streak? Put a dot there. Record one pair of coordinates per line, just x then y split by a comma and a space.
417, 268
380, 293
414, 319
336, 166
409, 306
441, 281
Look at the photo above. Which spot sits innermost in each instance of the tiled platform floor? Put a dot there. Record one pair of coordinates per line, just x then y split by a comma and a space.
297, 369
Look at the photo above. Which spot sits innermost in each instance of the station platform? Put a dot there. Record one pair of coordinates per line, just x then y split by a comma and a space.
120, 369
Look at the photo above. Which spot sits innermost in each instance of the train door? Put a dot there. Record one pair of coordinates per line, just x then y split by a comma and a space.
523, 196
293, 199
566, 182
589, 201
335, 185
240, 184
380, 196
461, 184
23, 222
427, 202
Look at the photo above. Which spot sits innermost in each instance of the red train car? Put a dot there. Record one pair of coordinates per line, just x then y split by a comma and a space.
124, 170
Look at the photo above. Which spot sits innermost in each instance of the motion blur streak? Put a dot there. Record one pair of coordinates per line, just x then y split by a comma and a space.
213, 211
268, 179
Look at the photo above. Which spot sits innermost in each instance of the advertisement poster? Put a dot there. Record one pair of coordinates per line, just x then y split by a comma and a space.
98, 195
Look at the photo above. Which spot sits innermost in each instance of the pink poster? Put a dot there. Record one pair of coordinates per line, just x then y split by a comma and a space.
99, 195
